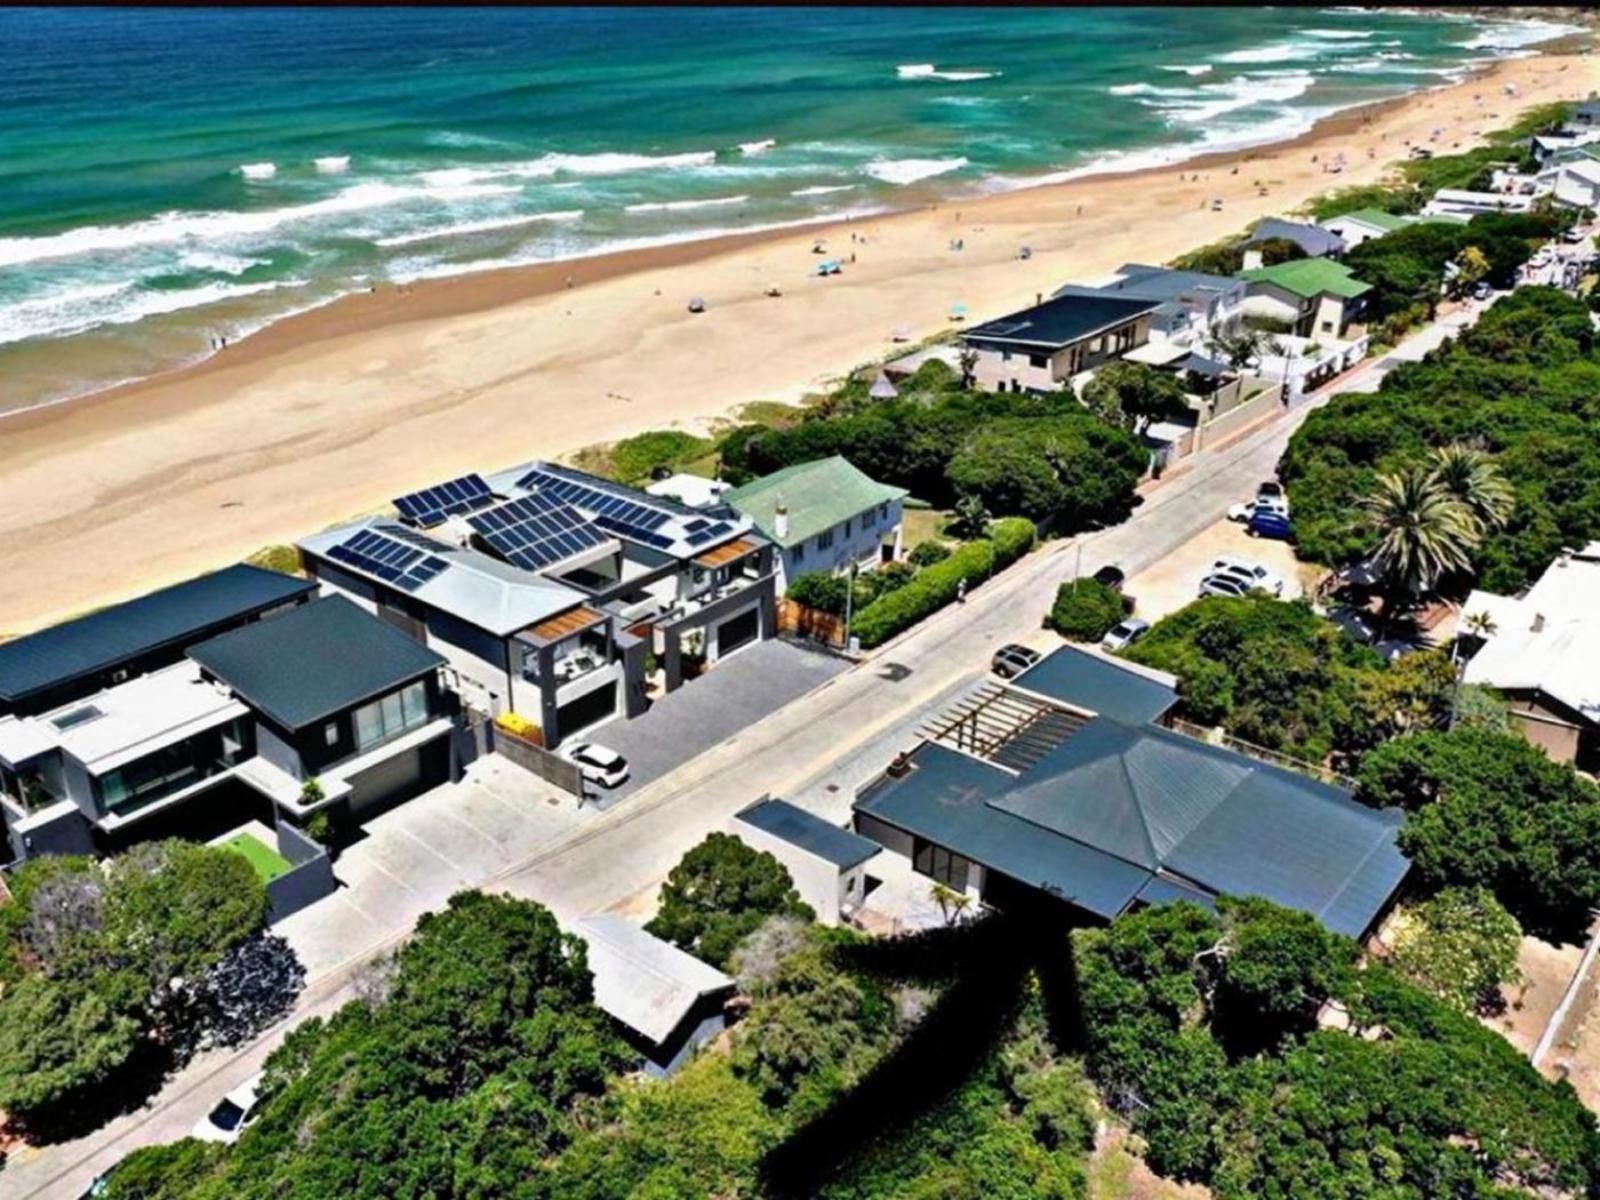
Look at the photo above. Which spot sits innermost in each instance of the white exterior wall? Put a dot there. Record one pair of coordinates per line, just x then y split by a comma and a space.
1352, 231
1274, 306
820, 883
861, 547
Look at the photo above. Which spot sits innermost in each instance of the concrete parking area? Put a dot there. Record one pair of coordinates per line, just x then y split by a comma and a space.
410, 860
1168, 585
713, 709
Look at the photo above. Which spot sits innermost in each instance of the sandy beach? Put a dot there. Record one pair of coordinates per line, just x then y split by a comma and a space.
331, 413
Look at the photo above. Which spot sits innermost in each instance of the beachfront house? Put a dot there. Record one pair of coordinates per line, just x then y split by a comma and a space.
1059, 789
1043, 348
1191, 306
1545, 146
1585, 117
1573, 182
1364, 224
1313, 297
231, 733
1541, 652
546, 588
1464, 203
45, 670
1314, 241
823, 516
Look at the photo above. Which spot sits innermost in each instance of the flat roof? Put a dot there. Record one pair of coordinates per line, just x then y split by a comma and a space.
319, 659
1101, 684
647, 984
1061, 320
809, 832
101, 640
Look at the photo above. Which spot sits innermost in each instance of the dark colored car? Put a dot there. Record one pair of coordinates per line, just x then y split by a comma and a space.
1110, 575
1270, 525
1012, 660
1270, 487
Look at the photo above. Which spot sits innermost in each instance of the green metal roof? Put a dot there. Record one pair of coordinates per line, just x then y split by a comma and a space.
315, 660
1378, 219
1310, 277
1102, 685
819, 495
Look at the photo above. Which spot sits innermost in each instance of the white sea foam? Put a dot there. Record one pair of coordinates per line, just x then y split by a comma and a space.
486, 226
260, 170
1199, 105
1513, 35
685, 205
910, 170
823, 189
1338, 34
173, 227
225, 264
930, 71
572, 164
332, 164
1191, 69
760, 147
79, 309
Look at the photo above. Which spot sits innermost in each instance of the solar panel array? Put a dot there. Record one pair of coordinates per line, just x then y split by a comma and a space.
432, 505
535, 531
700, 530
620, 514
406, 567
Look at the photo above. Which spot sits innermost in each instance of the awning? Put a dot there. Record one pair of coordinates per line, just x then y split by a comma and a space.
566, 624
726, 553
1156, 354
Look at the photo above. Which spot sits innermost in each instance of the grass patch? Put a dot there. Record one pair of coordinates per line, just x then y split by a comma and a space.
268, 863
633, 460
920, 524
285, 559
773, 414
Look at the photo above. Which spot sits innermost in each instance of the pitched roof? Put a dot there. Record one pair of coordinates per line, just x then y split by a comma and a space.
1377, 218
1313, 239
101, 640
1061, 320
1090, 680
314, 661
809, 832
819, 495
1310, 277
647, 984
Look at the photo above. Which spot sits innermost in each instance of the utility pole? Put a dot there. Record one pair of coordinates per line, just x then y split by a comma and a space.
849, 599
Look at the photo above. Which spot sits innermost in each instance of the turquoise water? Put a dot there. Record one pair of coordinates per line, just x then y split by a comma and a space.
171, 176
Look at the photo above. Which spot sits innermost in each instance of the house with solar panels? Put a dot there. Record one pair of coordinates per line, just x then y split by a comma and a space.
1041, 349
548, 589
1062, 788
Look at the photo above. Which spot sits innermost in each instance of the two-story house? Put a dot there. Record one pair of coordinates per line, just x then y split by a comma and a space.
1191, 305
1040, 349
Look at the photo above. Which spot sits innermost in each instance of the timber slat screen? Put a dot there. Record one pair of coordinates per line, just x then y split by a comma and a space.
1008, 728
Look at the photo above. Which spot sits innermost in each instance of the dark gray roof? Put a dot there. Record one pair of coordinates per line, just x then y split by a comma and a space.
1313, 239
1115, 805
102, 640
1061, 320
1209, 367
944, 799
1092, 681
319, 659
1163, 891
809, 832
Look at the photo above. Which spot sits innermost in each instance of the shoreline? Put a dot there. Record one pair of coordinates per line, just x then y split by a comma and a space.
394, 304
329, 412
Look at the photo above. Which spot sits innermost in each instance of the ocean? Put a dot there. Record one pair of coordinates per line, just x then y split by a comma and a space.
169, 177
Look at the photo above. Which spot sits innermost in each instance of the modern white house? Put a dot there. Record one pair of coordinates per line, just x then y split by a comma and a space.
1573, 182
828, 864
1041, 349
1364, 224
1191, 305
823, 515
1459, 202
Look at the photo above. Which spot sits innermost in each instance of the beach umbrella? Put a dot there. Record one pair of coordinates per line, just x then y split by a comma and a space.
958, 311
882, 389
697, 304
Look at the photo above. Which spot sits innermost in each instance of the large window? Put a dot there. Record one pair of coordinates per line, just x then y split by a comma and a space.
175, 767
393, 715
938, 863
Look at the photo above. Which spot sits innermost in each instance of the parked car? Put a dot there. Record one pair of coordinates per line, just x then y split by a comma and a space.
1125, 634
596, 763
1252, 573
1269, 489
1270, 525
1012, 660
1243, 512
1482, 291
231, 1115
1112, 576
1224, 585
1572, 236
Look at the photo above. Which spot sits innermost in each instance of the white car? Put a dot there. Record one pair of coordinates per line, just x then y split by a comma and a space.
1125, 634
232, 1114
1224, 585
597, 764
1252, 573
1243, 512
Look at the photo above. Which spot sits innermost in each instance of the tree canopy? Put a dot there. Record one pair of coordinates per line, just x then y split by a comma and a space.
718, 894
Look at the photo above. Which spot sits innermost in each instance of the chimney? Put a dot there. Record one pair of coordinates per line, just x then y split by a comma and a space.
780, 521
1538, 623
1252, 260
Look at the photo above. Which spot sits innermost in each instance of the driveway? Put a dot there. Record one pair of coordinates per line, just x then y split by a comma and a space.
1173, 581
715, 708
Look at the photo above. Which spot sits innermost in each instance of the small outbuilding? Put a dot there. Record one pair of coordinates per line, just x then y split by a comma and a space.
828, 864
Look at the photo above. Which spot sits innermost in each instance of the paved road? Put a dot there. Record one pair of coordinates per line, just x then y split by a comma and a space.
616, 860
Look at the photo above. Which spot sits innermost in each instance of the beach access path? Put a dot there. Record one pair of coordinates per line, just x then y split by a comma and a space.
331, 413
617, 860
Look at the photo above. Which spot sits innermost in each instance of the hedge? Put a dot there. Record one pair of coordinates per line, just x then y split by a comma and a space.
936, 586
1085, 609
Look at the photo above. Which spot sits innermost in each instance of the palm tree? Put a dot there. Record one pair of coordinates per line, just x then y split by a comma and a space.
971, 518
1471, 476
1424, 533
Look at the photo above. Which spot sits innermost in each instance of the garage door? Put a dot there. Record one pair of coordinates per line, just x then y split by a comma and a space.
738, 631
400, 778
586, 710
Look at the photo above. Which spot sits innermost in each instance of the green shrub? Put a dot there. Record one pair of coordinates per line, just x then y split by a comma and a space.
930, 591
925, 554
820, 590
1085, 609
1012, 537
633, 459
